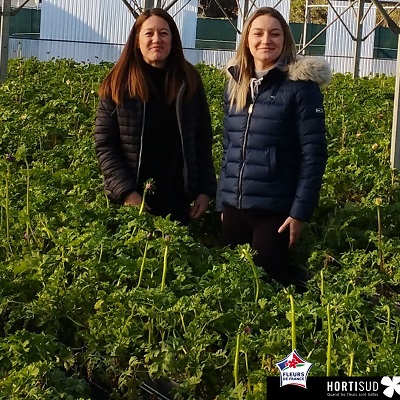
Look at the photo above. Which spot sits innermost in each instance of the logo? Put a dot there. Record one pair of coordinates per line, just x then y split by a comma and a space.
392, 385
294, 370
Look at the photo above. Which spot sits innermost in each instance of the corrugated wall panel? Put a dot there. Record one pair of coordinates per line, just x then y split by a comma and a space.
339, 43
185, 17
84, 52
85, 20
103, 21
24, 48
100, 52
386, 67
109, 22
368, 67
217, 58
377, 67
81, 52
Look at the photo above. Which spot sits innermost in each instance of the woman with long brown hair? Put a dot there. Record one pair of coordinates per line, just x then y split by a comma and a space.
274, 144
153, 123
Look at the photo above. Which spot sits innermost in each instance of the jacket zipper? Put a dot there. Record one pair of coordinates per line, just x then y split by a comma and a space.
178, 117
250, 111
141, 144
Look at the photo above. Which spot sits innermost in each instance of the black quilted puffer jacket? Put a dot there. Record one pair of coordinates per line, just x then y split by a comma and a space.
118, 143
275, 149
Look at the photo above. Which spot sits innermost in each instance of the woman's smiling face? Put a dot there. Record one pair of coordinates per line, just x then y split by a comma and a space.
155, 41
265, 41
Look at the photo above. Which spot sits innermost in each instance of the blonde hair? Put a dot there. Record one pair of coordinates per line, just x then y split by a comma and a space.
238, 86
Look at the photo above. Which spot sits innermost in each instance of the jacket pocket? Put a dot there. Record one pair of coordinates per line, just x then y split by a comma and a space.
272, 161
271, 166
260, 165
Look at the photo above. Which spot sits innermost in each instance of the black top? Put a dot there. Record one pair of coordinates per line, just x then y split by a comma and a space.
162, 157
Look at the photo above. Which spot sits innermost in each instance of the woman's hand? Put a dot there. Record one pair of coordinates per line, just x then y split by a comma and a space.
135, 199
200, 206
295, 227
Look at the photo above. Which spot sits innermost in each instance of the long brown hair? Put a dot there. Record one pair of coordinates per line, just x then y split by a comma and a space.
127, 76
244, 60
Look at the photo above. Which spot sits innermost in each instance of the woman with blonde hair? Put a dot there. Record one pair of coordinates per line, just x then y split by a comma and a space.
274, 143
153, 123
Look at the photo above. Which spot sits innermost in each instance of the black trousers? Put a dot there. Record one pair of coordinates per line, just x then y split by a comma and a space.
179, 213
261, 232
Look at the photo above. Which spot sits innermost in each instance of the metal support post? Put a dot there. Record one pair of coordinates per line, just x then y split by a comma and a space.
358, 41
307, 20
4, 33
395, 146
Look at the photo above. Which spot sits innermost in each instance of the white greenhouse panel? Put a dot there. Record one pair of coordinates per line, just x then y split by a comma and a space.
80, 52
23, 48
185, 17
217, 58
91, 52
339, 43
94, 53
368, 66
102, 21
96, 30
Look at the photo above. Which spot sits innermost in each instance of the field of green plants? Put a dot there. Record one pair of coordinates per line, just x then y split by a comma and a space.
96, 299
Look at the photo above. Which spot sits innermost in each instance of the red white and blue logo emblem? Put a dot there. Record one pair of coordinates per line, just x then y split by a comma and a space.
294, 370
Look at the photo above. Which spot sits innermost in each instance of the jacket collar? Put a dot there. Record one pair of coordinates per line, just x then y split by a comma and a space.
315, 69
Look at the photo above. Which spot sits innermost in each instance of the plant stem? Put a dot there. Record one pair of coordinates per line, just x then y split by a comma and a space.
247, 371
183, 323
293, 320
164, 274
350, 373
76, 322
388, 316
148, 186
101, 252
253, 267
141, 209
7, 207
380, 251
29, 230
329, 348
150, 331
142, 266
236, 364
27, 200
322, 283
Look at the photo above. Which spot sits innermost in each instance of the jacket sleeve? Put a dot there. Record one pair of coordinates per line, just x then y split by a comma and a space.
219, 206
207, 183
310, 124
118, 179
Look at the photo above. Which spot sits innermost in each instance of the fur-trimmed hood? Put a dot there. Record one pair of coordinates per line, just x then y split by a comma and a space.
315, 69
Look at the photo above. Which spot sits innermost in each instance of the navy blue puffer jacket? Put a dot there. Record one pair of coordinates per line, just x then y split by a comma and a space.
275, 149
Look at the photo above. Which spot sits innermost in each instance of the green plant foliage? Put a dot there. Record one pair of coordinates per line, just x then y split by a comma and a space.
96, 299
